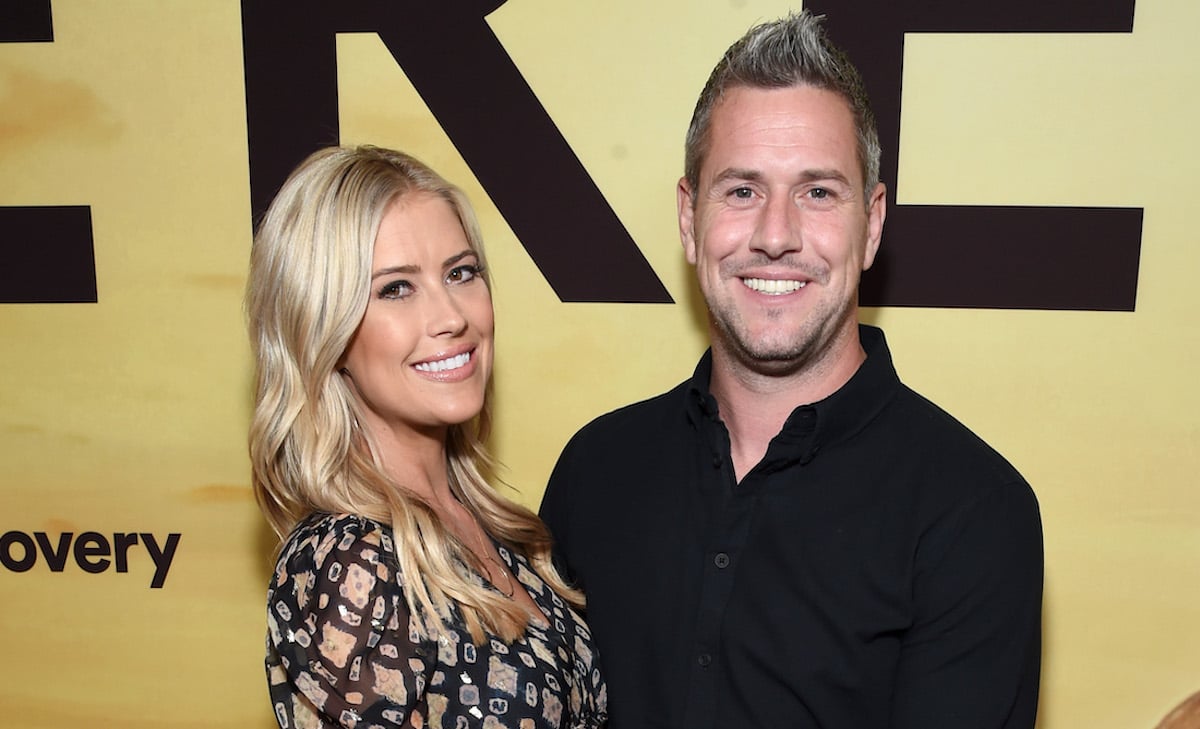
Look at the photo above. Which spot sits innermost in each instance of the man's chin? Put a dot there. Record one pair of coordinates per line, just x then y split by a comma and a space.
778, 364
769, 351
775, 361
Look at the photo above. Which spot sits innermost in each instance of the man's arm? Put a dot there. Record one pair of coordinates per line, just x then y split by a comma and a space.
972, 658
555, 511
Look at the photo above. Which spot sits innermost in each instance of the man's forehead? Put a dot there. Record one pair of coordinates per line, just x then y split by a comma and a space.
800, 119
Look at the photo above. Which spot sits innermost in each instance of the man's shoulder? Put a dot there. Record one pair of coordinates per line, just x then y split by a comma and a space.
940, 438
636, 422
911, 429
615, 457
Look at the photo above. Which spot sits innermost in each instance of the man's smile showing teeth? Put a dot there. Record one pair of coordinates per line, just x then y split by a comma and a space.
442, 365
772, 286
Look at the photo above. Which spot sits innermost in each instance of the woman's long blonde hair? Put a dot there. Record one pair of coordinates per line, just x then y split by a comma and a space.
308, 289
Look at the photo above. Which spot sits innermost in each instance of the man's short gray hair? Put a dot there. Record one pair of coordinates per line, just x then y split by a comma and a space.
791, 51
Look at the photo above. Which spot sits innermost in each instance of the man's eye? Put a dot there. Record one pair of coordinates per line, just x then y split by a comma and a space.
818, 193
395, 290
742, 193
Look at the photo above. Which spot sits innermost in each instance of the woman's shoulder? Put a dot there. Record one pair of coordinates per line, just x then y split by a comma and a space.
343, 531
323, 542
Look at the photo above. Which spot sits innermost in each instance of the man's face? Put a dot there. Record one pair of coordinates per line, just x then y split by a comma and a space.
779, 230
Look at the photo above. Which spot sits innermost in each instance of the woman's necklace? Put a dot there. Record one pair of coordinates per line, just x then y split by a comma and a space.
487, 556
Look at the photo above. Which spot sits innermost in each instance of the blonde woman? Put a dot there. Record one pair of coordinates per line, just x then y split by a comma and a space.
406, 592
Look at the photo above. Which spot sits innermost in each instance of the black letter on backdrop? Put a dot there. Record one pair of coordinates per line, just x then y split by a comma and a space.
46, 253
984, 256
482, 102
28, 558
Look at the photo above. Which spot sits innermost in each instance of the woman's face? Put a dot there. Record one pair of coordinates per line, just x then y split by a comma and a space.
421, 357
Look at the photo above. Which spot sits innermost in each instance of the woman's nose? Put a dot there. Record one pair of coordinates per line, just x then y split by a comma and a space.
445, 317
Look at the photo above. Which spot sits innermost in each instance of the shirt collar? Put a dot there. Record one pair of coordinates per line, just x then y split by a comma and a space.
826, 422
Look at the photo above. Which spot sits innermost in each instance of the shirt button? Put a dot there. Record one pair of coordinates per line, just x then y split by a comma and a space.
717, 462
721, 560
705, 660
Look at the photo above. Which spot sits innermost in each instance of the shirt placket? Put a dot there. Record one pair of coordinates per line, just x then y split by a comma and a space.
732, 507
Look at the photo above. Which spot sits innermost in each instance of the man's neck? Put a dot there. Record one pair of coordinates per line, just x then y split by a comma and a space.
755, 405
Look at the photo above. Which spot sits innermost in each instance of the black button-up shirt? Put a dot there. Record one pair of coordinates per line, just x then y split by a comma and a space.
880, 567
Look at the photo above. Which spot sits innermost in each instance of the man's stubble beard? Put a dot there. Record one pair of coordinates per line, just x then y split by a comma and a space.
794, 354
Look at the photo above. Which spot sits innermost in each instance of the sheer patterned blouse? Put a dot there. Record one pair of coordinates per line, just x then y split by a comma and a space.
343, 649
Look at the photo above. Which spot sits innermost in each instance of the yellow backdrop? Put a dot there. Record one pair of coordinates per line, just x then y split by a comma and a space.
128, 416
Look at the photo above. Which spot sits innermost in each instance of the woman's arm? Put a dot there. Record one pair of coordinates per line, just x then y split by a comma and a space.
340, 644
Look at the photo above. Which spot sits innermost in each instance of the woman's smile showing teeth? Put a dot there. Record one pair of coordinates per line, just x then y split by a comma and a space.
773, 287
443, 365
448, 368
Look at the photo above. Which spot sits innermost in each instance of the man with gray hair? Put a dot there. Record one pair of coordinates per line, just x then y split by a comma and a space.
792, 537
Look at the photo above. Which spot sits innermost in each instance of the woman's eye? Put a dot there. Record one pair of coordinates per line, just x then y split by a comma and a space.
462, 274
395, 290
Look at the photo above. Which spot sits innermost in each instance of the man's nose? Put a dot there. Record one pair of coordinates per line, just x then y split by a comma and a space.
778, 230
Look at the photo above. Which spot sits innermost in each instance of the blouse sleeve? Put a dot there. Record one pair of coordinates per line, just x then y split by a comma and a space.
340, 641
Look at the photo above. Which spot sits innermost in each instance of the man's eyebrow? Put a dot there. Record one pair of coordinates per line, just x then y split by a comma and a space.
736, 173
809, 175
829, 174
